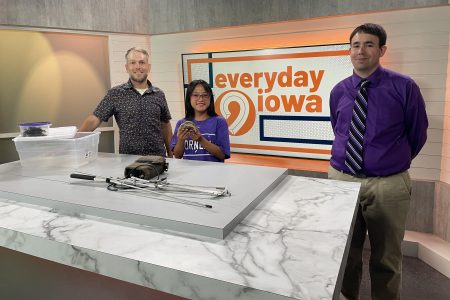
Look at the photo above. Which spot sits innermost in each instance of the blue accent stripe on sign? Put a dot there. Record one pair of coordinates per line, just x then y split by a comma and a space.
211, 77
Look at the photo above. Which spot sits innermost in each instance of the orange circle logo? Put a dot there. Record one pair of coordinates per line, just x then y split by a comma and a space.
238, 109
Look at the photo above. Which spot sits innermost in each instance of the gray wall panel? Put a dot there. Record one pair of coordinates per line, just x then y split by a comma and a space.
165, 16
7, 151
441, 226
106, 15
420, 216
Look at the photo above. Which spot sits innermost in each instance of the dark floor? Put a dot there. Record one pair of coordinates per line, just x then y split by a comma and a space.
420, 281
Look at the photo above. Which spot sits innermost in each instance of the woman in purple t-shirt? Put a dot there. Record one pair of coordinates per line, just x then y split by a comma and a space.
210, 141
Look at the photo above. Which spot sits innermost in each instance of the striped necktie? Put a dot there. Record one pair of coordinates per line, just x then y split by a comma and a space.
354, 151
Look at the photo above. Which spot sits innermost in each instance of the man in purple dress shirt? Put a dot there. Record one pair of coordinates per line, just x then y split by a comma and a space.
395, 132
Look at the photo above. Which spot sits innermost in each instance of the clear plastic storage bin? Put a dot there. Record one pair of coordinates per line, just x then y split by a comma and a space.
58, 152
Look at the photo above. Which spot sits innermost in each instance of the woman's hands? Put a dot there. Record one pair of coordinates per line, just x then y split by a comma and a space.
184, 134
195, 135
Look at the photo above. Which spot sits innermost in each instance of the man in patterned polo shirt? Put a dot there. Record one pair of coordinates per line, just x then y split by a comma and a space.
140, 110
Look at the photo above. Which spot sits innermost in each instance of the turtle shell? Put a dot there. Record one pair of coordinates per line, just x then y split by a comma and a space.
189, 125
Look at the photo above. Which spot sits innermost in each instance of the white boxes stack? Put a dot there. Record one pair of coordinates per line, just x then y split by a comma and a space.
63, 147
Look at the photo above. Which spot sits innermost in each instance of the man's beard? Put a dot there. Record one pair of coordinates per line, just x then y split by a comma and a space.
138, 79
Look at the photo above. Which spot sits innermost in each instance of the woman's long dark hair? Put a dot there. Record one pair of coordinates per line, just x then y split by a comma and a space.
189, 110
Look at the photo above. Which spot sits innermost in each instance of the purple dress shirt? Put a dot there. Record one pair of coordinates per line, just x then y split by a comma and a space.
396, 124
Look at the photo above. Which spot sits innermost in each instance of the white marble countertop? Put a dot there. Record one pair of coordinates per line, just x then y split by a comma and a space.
290, 247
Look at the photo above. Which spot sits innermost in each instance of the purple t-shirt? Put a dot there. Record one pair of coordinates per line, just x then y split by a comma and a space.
396, 124
215, 130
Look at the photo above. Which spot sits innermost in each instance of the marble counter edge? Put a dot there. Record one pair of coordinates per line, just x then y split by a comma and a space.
134, 271
131, 270
141, 272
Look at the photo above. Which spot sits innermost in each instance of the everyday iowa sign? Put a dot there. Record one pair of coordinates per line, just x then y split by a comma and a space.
276, 101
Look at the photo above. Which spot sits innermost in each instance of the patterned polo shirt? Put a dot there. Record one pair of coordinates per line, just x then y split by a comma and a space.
138, 116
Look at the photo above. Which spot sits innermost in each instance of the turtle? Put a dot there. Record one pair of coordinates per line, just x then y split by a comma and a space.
189, 125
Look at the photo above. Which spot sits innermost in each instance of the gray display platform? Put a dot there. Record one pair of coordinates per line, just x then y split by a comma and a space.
52, 187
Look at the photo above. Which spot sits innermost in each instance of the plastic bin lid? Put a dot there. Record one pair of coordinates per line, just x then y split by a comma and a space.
53, 134
35, 124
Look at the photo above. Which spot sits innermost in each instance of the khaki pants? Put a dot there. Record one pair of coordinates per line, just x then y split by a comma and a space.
383, 207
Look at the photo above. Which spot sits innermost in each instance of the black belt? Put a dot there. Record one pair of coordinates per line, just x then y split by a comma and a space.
358, 175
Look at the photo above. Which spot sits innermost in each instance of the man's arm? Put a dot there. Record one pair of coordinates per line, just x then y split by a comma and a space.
90, 124
416, 119
333, 109
166, 129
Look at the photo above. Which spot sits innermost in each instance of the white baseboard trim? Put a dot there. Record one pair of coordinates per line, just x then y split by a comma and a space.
427, 247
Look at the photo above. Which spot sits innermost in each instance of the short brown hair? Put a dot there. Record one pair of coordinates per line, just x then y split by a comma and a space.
373, 29
137, 49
